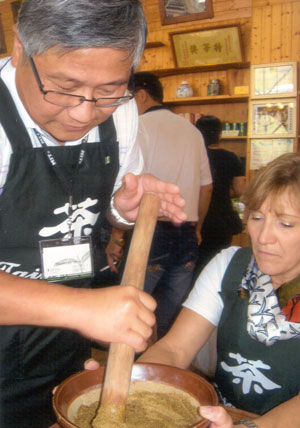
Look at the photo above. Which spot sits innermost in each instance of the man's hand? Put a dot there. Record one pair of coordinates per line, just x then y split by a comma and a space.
128, 197
114, 254
114, 249
122, 314
217, 415
198, 233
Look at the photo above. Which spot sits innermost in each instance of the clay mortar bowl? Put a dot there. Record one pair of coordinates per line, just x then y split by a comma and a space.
83, 388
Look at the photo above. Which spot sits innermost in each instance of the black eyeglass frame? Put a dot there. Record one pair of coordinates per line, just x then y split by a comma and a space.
81, 99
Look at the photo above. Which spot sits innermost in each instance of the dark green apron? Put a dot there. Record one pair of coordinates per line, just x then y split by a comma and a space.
250, 375
32, 205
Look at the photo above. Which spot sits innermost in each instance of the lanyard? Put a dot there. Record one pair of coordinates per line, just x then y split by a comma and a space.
66, 183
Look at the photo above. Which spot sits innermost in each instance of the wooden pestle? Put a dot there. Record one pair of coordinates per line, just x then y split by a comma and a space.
111, 412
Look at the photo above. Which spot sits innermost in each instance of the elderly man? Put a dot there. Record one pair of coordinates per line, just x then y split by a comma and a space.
67, 157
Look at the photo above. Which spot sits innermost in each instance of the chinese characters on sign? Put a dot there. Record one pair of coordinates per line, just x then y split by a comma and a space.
207, 47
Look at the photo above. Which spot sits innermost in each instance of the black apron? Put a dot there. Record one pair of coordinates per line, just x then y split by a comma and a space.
33, 207
250, 375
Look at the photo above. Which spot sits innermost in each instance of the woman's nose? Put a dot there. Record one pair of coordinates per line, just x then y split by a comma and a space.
266, 234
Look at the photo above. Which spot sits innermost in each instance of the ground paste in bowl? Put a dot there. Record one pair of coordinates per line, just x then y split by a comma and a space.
150, 404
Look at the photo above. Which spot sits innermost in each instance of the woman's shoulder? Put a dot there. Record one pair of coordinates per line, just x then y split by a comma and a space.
223, 258
204, 298
215, 270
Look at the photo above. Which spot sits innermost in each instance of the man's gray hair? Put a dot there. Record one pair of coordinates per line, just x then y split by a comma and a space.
80, 24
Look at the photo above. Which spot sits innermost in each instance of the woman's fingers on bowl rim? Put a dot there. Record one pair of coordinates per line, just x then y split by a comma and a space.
91, 364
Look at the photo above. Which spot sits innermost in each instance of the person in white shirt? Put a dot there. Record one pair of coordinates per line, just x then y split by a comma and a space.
68, 158
173, 151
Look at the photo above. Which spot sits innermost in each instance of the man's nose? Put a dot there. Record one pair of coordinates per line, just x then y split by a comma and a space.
84, 113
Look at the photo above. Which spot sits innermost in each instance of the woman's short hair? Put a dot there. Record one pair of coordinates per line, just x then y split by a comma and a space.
82, 24
279, 175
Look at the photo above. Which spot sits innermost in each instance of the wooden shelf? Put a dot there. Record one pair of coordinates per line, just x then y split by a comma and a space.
219, 99
150, 45
229, 108
238, 137
186, 70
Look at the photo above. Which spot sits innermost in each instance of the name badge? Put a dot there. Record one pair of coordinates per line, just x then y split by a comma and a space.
66, 259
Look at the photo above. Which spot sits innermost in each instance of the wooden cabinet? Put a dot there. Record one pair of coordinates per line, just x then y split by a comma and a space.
228, 107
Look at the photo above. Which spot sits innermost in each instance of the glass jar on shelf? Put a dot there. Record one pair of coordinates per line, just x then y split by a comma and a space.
214, 87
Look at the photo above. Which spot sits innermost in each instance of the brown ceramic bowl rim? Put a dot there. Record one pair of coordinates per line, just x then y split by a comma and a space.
92, 379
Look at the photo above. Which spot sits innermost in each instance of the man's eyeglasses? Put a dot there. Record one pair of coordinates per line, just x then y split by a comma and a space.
69, 100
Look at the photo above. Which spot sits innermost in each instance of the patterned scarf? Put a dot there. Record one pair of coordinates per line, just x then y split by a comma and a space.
266, 322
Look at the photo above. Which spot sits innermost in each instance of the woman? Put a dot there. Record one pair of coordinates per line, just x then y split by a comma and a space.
252, 295
221, 221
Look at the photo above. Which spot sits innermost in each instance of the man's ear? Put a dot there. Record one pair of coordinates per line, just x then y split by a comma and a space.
18, 50
141, 97
143, 94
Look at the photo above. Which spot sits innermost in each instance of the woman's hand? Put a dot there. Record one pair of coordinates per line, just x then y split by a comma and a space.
217, 415
91, 364
128, 197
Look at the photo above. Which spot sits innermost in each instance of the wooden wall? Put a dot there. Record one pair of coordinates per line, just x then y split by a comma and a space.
275, 37
225, 12
270, 33
275, 34
7, 21
270, 29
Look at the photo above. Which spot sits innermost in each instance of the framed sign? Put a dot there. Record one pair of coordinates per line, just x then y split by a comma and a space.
265, 150
174, 11
274, 118
274, 80
207, 47
3, 48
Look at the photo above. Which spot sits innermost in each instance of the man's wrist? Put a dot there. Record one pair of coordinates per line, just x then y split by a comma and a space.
116, 219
